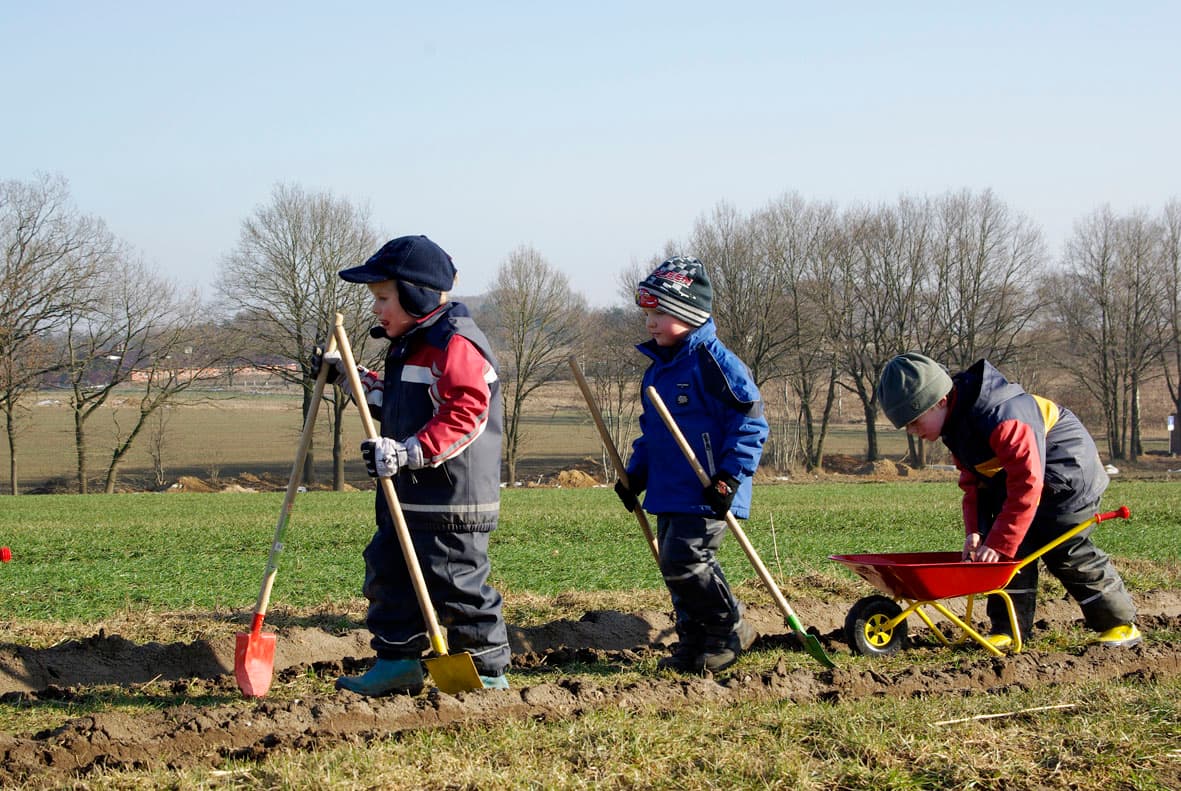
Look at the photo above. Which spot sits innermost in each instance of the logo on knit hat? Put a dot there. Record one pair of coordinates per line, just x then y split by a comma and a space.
680, 287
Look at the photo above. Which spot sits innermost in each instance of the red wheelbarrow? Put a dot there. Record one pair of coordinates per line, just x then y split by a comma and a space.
912, 581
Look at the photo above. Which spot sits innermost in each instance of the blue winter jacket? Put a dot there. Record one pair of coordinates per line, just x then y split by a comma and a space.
715, 403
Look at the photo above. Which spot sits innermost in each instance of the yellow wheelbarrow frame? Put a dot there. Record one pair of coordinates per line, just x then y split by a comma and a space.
912, 581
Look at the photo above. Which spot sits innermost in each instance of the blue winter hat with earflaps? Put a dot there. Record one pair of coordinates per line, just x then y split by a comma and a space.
421, 268
910, 384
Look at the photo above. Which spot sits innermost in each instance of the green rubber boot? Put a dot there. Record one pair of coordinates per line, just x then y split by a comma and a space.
386, 677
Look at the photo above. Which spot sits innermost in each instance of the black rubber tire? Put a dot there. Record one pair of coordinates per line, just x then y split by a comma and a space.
863, 629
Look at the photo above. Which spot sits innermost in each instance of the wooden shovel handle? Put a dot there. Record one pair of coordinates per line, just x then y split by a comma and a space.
305, 442
751, 554
609, 443
438, 641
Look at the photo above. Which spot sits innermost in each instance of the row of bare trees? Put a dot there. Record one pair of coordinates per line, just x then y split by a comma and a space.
818, 299
814, 297
81, 312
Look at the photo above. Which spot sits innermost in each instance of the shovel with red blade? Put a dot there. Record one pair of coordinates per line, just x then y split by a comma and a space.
254, 651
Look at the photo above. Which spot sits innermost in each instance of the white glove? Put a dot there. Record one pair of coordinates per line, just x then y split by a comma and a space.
384, 456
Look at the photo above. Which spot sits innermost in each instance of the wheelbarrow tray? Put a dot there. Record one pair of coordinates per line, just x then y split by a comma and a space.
928, 576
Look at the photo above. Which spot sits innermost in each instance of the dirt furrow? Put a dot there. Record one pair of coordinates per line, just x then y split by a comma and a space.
229, 727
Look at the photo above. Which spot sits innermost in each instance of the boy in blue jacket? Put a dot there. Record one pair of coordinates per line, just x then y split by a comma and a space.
717, 406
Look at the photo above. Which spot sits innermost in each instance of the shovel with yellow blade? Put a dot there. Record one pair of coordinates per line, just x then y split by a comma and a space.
451, 673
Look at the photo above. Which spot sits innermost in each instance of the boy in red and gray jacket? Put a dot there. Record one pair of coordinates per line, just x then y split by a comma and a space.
1029, 471
441, 422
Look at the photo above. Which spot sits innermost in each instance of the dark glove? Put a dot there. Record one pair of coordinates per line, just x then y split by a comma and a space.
720, 493
383, 457
334, 362
372, 383
626, 496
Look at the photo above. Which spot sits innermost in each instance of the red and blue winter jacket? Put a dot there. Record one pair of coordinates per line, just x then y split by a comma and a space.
1020, 457
441, 385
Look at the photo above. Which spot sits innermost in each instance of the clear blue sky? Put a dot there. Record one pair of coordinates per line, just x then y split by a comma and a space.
594, 132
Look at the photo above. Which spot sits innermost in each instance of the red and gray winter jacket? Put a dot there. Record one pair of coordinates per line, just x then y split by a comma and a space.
441, 385
1020, 457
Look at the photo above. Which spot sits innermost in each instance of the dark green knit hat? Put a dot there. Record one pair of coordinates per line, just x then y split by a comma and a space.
911, 384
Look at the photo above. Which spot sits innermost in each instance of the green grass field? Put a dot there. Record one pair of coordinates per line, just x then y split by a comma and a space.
83, 558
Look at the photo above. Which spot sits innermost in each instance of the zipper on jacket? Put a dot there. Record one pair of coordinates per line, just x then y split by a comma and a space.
709, 454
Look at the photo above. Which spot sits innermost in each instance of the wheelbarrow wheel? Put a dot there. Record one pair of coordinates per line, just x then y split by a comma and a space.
865, 626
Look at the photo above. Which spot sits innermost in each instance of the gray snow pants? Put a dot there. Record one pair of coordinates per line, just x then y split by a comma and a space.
1084, 570
706, 610
455, 567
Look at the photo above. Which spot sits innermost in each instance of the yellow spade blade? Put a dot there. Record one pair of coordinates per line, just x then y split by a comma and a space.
454, 673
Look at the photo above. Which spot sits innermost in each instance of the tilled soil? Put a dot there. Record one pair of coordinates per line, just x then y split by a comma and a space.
232, 727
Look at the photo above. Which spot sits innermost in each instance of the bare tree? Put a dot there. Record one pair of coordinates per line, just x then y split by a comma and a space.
799, 242
1141, 241
281, 284
536, 321
630, 276
170, 361
125, 338
746, 288
882, 297
50, 253
158, 444
1108, 303
613, 368
1170, 319
987, 263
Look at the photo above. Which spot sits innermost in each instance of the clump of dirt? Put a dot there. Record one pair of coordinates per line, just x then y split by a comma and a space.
260, 483
843, 463
575, 479
841, 466
237, 487
232, 728
189, 483
882, 469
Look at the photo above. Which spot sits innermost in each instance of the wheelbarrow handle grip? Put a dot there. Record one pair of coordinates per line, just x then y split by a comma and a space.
1120, 513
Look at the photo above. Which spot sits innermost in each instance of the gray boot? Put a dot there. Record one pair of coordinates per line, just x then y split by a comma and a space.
721, 656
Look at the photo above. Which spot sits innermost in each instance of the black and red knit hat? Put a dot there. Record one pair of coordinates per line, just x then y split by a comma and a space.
679, 287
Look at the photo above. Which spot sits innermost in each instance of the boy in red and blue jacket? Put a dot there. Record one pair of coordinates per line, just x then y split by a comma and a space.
1029, 471
441, 423
717, 406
